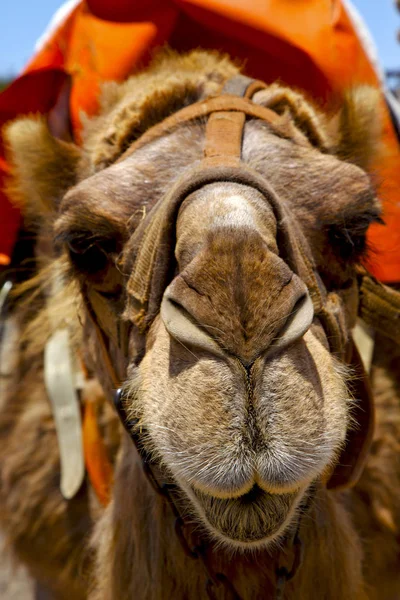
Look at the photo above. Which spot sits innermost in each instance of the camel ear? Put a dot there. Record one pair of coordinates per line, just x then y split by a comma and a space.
356, 130
304, 115
42, 166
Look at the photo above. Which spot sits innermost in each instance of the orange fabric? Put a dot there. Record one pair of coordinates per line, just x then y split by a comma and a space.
97, 461
310, 44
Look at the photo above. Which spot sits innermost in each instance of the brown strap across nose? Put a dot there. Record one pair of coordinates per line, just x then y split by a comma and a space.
223, 142
224, 131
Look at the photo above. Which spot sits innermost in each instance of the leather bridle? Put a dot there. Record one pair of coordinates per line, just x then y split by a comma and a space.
147, 262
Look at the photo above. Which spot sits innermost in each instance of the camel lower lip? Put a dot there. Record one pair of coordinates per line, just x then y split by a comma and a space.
251, 518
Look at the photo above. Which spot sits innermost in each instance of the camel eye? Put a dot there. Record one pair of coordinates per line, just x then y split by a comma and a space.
91, 256
91, 260
349, 237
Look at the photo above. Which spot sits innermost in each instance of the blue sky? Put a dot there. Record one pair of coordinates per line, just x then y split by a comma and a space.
23, 21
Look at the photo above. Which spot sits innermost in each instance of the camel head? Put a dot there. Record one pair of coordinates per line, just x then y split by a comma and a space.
233, 379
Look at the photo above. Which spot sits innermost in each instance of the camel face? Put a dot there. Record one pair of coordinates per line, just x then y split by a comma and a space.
238, 392
234, 382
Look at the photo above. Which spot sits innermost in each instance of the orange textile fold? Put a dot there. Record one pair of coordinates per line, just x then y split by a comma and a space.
311, 44
97, 461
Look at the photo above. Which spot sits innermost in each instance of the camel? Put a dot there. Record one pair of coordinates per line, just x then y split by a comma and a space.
213, 277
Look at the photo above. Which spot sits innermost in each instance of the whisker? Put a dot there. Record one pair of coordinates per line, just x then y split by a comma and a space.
186, 348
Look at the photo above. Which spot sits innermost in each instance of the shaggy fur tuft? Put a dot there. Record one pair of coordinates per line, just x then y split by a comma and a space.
357, 128
43, 167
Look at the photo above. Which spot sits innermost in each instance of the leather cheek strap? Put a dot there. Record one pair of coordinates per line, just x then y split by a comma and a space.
379, 307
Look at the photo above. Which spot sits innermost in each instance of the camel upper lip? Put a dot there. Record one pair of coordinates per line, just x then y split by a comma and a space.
255, 494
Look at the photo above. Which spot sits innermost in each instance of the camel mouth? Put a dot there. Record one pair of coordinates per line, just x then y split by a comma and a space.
255, 518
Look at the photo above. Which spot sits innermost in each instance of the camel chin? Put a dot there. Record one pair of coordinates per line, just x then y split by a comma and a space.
256, 519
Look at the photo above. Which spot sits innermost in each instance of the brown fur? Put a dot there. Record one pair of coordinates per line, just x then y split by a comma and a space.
280, 423
49, 162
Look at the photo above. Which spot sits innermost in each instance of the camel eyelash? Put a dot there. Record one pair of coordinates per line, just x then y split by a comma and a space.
349, 237
90, 260
88, 254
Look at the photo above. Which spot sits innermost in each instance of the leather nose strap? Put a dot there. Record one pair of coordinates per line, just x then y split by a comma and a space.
224, 130
224, 133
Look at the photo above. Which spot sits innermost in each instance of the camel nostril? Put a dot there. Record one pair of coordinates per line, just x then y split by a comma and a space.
297, 324
181, 326
188, 330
